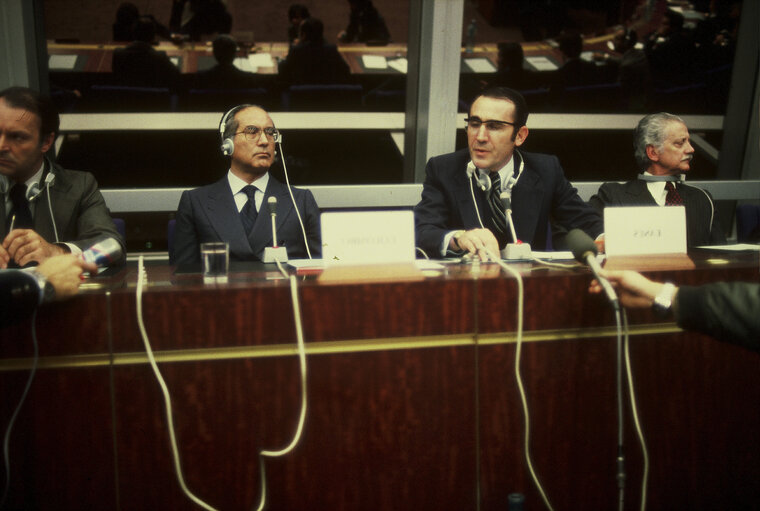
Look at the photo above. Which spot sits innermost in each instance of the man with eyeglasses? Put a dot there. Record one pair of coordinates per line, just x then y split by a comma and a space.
461, 211
230, 210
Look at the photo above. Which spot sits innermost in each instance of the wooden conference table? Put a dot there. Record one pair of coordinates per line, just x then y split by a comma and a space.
412, 396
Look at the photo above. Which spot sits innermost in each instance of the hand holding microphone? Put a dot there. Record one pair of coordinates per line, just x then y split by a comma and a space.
584, 250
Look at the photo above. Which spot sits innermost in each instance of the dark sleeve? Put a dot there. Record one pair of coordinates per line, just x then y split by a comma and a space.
93, 219
432, 214
570, 211
19, 295
312, 224
728, 311
186, 248
600, 199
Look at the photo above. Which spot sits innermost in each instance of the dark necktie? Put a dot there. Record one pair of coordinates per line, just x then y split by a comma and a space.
673, 198
248, 214
20, 208
498, 218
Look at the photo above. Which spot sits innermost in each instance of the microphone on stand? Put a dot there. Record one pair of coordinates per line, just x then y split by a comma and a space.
274, 253
518, 249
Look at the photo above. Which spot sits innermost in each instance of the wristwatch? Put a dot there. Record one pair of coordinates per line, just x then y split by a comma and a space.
47, 291
664, 300
458, 234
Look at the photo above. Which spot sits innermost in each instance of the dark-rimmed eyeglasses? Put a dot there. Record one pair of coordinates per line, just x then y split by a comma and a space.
474, 124
254, 132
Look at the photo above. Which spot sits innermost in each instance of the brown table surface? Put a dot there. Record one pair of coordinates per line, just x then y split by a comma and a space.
412, 396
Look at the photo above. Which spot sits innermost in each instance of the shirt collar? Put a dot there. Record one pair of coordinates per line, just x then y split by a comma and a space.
237, 184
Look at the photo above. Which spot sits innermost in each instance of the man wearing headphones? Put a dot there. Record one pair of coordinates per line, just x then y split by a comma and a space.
663, 152
230, 210
460, 210
45, 210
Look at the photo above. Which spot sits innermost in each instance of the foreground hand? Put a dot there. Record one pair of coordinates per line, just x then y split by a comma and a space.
477, 242
25, 245
64, 272
4, 258
633, 289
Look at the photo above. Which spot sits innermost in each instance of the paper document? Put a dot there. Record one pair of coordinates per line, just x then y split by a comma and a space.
258, 60
738, 247
374, 62
62, 62
400, 64
244, 64
541, 63
480, 65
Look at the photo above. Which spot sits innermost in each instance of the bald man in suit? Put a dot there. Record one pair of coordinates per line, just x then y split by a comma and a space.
230, 210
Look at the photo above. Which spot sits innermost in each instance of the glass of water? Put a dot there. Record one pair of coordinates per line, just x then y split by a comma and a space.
216, 261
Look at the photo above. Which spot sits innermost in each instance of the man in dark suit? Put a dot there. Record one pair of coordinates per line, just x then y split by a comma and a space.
663, 152
230, 210
312, 60
46, 210
141, 65
460, 210
224, 75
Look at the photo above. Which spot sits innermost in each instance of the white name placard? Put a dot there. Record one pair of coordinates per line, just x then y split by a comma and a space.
644, 230
367, 237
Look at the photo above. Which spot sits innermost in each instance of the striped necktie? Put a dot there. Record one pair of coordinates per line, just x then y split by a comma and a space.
498, 218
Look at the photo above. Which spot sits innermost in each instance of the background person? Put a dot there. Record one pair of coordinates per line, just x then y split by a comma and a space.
52, 210
663, 153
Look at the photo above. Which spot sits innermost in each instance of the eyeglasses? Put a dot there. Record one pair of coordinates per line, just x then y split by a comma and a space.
254, 132
474, 124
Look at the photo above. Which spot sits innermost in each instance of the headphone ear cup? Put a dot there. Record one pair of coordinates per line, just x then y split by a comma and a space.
278, 138
228, 147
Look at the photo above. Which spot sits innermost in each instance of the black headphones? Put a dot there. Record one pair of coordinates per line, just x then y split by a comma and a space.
228, 144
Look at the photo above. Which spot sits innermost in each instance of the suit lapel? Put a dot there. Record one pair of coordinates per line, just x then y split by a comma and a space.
223, 216
639, 191
526, 204
261, 235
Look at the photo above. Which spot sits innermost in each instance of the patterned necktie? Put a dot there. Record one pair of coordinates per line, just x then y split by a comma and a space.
498, 218
673, 198
20, 208
248, 214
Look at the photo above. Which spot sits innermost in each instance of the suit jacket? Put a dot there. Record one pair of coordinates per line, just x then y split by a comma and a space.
702, 225
541, 195
309, 63
209, 214
141, 65
225, 76
80, 212
729, 311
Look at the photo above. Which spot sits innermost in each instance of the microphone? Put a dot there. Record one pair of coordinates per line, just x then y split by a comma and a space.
584, 250
274, 253
272, 205
517, 249
103, 253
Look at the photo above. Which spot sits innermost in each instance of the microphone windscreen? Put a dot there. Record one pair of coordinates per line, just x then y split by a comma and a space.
272, 205
580, 244
103, 252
